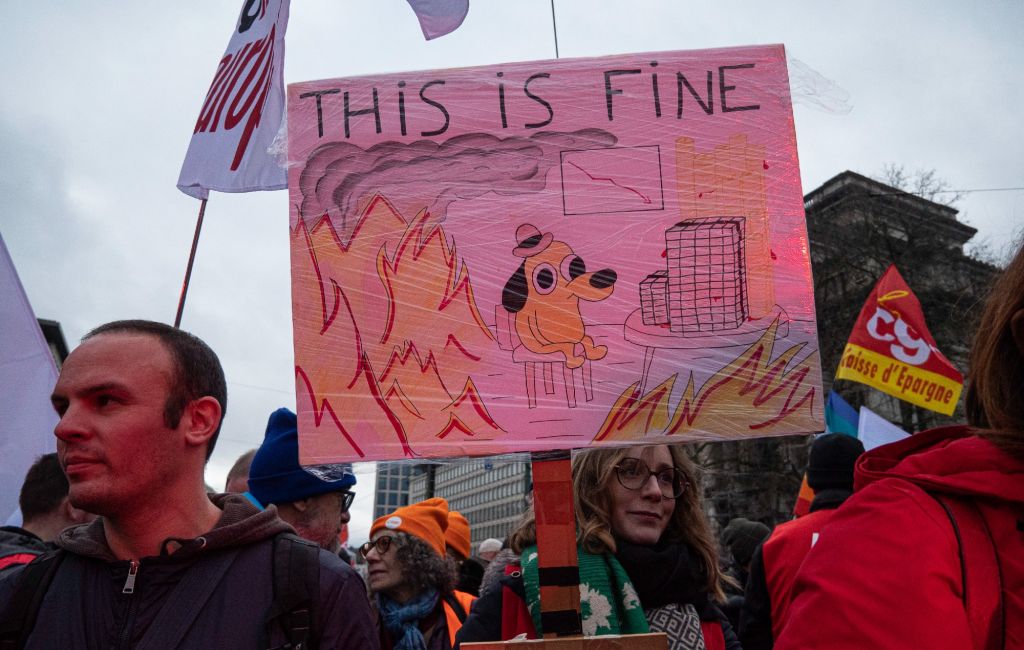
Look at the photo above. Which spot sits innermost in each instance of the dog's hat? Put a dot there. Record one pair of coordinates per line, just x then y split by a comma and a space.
531, 241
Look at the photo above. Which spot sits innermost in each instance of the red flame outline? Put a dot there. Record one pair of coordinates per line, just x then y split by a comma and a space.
308, 237
401, 357
454, 341
454, 424
472, 394
686, 412
396, 392
325, 407
453, 286
746, 373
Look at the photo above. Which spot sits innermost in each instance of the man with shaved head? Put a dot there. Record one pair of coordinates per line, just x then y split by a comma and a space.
166, 565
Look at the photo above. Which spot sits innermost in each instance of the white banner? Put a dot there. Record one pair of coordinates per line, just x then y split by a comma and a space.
243, 110
439, 17
875, 431
27, 374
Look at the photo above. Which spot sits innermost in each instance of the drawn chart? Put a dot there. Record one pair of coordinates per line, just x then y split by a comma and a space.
604, 181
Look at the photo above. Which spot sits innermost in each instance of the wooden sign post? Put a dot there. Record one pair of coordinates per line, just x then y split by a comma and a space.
558, 572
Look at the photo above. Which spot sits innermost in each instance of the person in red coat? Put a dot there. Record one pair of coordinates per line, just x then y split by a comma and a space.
775, 563
929, 551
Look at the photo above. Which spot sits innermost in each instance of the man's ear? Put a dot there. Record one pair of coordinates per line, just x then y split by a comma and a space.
202, 417
1017, 327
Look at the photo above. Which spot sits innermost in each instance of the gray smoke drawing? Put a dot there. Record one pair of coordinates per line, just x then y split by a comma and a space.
337, 175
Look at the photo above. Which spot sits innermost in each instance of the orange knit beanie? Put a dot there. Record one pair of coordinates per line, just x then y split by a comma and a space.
457, 535
426, 520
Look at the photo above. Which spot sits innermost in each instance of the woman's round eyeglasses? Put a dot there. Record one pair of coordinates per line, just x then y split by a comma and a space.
382, 544
634, 473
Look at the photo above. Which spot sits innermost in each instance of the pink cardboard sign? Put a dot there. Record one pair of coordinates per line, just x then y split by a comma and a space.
550, 254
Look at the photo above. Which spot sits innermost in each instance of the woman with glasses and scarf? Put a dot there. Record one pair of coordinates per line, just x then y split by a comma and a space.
407, 572
647, 558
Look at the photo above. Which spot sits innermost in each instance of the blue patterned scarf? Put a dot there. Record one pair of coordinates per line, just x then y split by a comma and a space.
402, 620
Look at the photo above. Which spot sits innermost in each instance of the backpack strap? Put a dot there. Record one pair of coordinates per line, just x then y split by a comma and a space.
183, 604
19, 618
979, 572
296, 591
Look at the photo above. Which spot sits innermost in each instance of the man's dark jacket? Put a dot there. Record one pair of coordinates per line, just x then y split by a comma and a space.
86, 605
766, 601
18, 547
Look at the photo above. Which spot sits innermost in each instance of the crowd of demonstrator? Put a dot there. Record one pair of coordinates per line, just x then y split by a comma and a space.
916, 544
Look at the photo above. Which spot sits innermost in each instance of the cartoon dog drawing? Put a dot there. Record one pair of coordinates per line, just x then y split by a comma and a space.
545, 293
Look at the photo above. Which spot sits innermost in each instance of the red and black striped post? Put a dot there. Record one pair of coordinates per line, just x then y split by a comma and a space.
558, 570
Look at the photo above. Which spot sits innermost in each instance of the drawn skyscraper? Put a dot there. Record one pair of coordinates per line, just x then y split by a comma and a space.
705, 289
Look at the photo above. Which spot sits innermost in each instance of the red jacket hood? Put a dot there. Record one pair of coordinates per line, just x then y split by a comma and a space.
948, 460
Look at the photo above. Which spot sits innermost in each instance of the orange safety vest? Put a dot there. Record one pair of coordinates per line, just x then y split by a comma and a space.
454, 621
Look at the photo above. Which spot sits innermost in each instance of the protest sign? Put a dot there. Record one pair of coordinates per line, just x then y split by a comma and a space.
243, 109
891, 349
548, 255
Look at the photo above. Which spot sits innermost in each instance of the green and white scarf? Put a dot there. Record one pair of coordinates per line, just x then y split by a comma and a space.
608, 601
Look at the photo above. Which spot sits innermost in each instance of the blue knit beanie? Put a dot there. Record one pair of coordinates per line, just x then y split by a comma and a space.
275, 475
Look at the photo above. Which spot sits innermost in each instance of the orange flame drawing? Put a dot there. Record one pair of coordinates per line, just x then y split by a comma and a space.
385, 322
753, 395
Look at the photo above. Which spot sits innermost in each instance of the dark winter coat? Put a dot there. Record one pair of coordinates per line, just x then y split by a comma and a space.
773, 570
86, 605
17, 547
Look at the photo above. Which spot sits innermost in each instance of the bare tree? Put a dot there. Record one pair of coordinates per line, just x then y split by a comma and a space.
758, 479
925, 183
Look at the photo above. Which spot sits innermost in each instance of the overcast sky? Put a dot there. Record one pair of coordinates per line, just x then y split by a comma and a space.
99, 100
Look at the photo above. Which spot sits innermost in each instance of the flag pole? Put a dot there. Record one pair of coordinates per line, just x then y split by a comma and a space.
191, 259
554, 27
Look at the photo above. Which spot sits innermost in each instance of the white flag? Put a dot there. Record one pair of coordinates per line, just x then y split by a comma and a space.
243, 110
875, 431
439, 17
27, 374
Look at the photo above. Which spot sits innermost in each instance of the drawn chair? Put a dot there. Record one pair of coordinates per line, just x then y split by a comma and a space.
533, 362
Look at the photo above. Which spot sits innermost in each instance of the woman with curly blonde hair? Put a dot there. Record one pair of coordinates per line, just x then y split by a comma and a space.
646, 555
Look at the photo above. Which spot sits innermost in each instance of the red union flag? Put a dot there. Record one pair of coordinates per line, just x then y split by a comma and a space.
891, 349
243, 109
